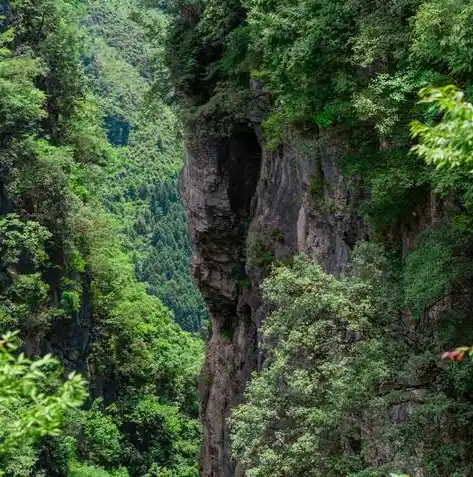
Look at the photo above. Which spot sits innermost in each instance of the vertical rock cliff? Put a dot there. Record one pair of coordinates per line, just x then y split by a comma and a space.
218, 187
247, 206
297, 124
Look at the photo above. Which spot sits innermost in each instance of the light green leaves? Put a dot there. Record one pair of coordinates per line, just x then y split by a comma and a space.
450, 141
319, 371
18, 237
31, 404
6, 37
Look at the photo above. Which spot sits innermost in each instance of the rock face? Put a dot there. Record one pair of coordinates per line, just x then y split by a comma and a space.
218, 187
247, 206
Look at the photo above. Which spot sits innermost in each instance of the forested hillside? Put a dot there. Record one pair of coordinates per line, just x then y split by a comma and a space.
327, 185
314, 127
91, 234
125, 57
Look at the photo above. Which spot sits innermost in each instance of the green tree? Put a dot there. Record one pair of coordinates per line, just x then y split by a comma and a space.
450, 141
329, 400
304, 404
32, 405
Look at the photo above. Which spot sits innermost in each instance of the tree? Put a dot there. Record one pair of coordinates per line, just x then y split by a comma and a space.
321, 369
449, 142
32, 404
329, 400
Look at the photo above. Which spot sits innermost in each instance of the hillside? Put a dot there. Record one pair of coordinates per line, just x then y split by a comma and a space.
322, 152
88, 195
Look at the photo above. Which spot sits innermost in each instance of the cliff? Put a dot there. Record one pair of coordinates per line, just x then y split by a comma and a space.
246, 207
249, 207
297, 134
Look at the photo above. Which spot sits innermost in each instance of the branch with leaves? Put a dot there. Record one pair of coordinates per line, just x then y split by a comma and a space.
450, 141
30, 408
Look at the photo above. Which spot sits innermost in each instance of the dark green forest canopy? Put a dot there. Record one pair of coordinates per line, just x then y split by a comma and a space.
88, 172
324, 63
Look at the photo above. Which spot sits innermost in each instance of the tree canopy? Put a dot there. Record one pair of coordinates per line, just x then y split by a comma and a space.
78, 221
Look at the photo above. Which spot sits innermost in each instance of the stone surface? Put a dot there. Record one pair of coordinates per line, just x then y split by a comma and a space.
218, 185
240, 197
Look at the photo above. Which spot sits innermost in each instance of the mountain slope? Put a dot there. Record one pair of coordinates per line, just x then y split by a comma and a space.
67, 277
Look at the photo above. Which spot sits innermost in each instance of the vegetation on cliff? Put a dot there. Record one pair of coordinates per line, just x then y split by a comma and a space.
88, 172
94, 250
348, 389
384, 401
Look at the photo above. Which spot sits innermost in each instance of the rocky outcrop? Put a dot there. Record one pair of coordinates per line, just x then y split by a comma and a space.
246, 207
218, 189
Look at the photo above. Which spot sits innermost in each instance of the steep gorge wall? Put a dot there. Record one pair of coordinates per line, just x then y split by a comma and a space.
218, 186
247, 206
317, 79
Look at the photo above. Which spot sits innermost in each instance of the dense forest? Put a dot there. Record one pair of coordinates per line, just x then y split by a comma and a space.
322, 151
125, 65
94, 250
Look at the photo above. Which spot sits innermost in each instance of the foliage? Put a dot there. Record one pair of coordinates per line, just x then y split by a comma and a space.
306, 398
446, 143
25, 296
83, 470
441, 35
450, 141
32, 405
436, 266
101, 438
125, 57
70, 248
329, 400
